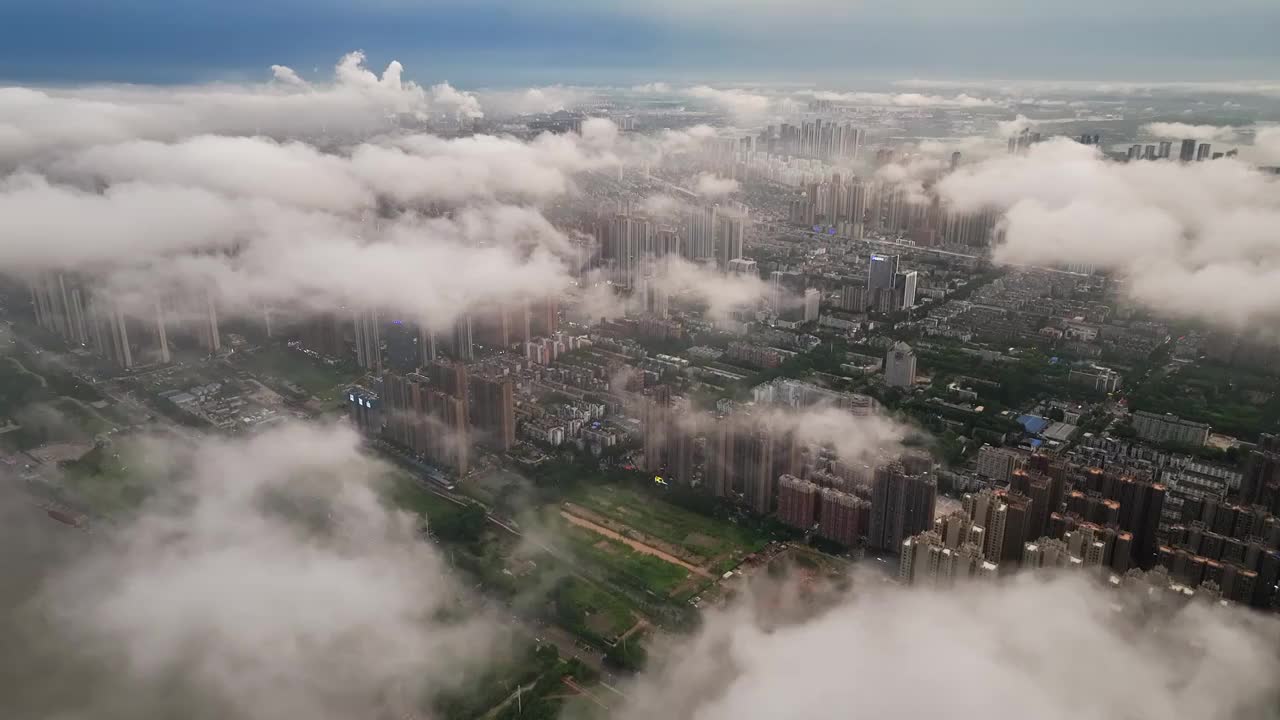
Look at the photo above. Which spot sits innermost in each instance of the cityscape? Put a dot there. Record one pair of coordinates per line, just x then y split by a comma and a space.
334, 389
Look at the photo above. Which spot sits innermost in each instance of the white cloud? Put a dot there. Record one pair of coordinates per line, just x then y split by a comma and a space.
653, 88
907, 100
1183, 131
888, 652
1193, 240
265, 579
549, 99
710, 185
743, 105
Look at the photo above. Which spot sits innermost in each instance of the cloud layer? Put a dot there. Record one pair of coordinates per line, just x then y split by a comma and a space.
1055, 649
264, 579
1193, 240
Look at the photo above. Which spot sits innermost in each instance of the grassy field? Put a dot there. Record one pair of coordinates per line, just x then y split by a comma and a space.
714, 541
314, 377
651, 572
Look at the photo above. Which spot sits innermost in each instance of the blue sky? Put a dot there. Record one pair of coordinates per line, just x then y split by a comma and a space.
513, 42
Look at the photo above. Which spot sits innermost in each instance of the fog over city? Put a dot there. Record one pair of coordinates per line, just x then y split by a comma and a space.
690, 360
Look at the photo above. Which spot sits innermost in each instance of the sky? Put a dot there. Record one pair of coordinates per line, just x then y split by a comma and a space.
519, 42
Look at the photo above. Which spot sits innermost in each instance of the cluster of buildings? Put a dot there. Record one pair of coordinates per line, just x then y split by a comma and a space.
632, 243
127, 337
1110, 506
857, 208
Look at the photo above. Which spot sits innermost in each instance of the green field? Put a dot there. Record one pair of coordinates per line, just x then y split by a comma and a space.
313, 376
588, 611
715, 541
615, 557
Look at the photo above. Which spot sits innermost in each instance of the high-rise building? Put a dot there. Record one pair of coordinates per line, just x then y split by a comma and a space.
629, 238
812, 304
364, 407
1203, 152
798, 502
843, 517
493, 410
60, 302
904, 286
1187, 153
900, 366
989, 511
463, 345
881, 271
730, 238
368, 340
901, 506
997, 464
1166, 149
323, 335
701, 235
403, 354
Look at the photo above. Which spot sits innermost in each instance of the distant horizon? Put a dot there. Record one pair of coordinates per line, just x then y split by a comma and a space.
502, 43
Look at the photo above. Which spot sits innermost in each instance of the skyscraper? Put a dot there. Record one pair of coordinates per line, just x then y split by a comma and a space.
1188, 151
368, 340
701, 235
900, 366
901, 506
493, 410
1203, 152
629, 237
730, 233
904, 289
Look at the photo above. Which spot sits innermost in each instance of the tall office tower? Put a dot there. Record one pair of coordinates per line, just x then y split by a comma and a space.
368, 340
989, 510
463, 345
904, 289
955, 160
900, 366
701, 236
1017, 523
901, 506
798, 502
493, 410
1166, 149
730, 233
1188, 151
629, 237
1149, 152
881, 271
1203, 152
59, 301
